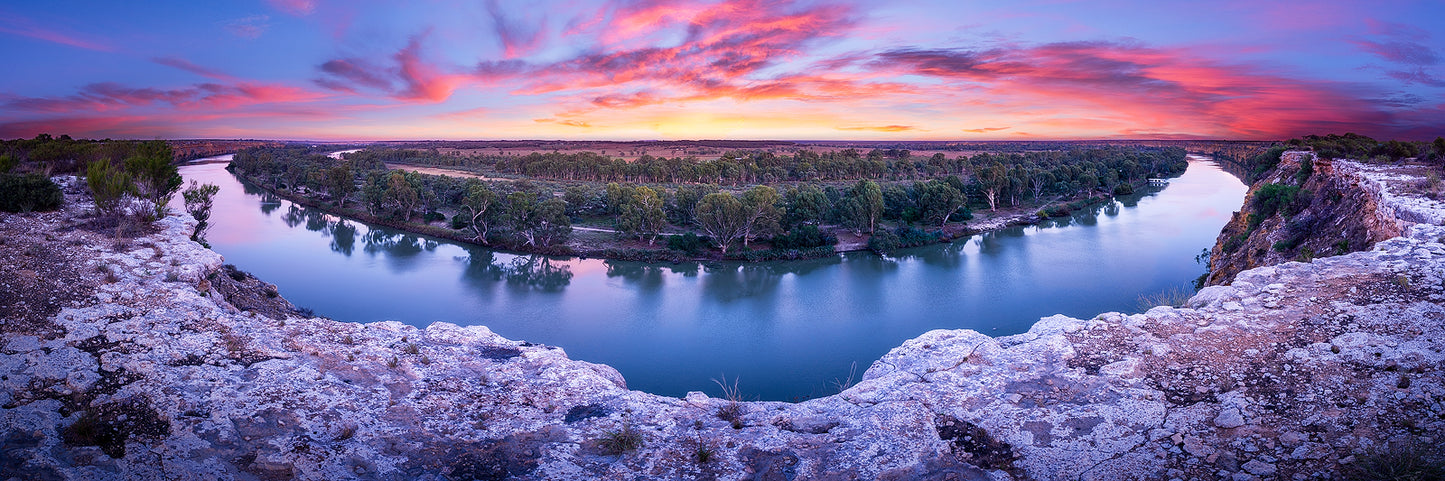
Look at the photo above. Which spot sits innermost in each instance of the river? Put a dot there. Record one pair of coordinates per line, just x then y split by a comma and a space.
784, 330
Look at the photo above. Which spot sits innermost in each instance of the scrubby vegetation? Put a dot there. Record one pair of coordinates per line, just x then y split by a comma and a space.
28, 192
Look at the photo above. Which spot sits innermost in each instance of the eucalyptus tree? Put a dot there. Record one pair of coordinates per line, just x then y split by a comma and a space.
937, 201
804, 205
863, 206
642, 215
721, 216
481, 206
762, 214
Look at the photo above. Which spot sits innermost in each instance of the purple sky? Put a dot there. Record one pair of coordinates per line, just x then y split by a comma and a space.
584, 69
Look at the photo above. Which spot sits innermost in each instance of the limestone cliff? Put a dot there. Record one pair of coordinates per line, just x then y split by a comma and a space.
135, 371
1309, 207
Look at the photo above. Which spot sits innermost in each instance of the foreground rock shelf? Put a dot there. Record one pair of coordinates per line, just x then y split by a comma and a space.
131, 361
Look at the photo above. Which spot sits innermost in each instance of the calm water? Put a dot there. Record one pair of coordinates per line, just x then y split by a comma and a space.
788, 330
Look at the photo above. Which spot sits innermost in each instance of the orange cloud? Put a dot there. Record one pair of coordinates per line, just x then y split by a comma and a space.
880, 128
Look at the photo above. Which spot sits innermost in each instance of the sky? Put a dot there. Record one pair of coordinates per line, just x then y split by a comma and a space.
746, 69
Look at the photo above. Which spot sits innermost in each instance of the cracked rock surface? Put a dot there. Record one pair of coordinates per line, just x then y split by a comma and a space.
125, 361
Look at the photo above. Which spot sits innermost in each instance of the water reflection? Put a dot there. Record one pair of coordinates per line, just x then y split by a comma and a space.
787, 328
538, 272
343, 237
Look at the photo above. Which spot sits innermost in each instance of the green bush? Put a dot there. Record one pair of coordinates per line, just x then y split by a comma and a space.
1124, 189
29, 192
781, 254
1235, 242
884, 242
690, 243
1269, 199
1306, 169
804, 237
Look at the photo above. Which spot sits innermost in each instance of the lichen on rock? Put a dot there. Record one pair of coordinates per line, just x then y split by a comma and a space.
142, 371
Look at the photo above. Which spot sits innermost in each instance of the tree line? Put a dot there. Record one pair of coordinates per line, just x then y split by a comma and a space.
692, 216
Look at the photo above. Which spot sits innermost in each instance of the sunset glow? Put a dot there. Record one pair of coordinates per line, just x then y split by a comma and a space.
747, 69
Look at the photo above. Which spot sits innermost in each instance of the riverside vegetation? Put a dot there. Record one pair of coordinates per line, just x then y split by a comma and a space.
744, 205
1329, 369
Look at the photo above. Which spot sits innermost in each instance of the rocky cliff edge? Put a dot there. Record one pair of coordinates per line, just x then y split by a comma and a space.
121, 361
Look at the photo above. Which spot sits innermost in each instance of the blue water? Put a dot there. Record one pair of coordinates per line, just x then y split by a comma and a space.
785, 330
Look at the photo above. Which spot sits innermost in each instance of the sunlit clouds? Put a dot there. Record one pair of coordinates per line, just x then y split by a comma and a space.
648, 69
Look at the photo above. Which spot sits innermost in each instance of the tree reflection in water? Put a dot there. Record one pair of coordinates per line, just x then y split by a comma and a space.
343, 237
294, 216
269, 203
316, 221
539, 273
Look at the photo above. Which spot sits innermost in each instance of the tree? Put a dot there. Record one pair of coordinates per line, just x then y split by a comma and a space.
539, 223
199, 199
552, 224
616, 195
805, 205
479, 203
863, 206
340, 183
577, 198
937, 201
642, 215
1439, 147
156, 179
760, 207
721, 216
521, 214
400, 193
373, 195
685, 200
108, 185
991, 181
1038, 180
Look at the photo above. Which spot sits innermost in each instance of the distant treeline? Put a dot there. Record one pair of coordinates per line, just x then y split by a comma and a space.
1334, 146
737, 168
63, 155
530, 214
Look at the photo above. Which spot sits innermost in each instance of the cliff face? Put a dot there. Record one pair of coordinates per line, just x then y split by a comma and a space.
137, 371
1331, 208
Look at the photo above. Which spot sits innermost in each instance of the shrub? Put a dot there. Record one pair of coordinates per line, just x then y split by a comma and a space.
622, 440
30, 192
690, 243
1271, 198
1172, 297
1306, 169
804, 237
1234, 243
1124, 189
903, 237
1399, 462
781, 254
109, 185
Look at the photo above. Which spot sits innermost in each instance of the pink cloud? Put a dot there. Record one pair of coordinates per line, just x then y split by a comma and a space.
298, 8
186, 65
249, 28
1155, 90
412, 78
17, 25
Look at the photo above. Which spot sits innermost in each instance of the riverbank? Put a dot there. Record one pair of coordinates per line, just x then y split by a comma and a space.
604, 243
135, 370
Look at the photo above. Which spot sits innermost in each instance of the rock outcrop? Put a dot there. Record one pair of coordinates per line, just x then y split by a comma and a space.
1320, 207
1295, 371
